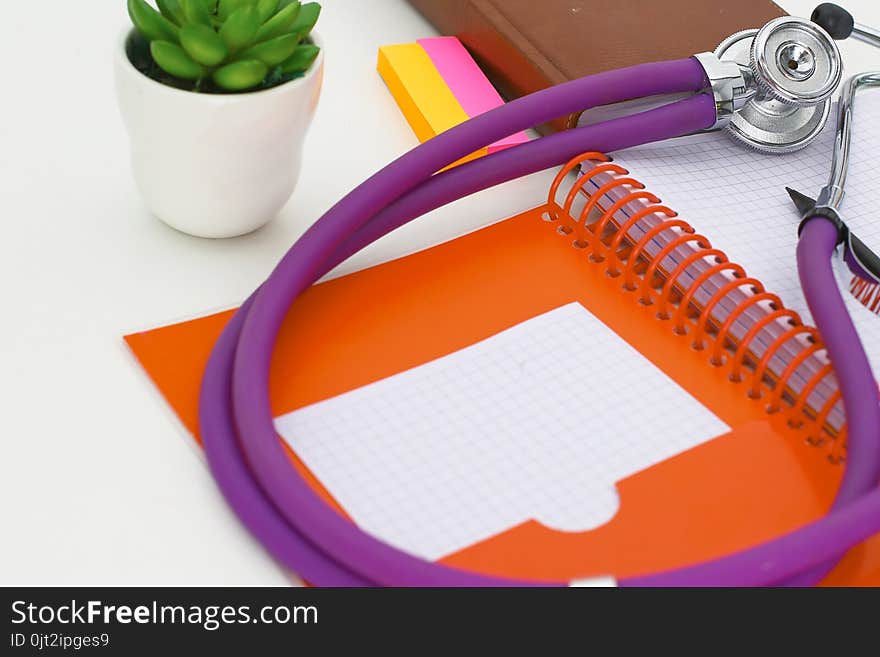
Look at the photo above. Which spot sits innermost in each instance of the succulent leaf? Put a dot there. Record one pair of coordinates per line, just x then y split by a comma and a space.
308, 16
274, 51
149, 22
228, 7
174, 60
240, 28
280, 23
171, 10
196, 12
266, 8
240, 44
203, 44
242, 75
300, 60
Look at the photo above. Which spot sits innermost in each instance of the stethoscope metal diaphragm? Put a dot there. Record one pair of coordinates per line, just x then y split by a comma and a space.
792, 67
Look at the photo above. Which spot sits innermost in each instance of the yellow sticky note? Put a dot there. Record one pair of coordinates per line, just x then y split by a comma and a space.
425, 99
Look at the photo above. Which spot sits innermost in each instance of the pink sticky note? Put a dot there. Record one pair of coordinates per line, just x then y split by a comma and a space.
467, 82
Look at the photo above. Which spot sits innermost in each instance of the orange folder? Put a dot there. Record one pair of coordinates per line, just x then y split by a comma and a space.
759, 480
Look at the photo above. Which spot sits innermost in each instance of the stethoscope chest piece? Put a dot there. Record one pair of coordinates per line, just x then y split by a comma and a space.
791, 67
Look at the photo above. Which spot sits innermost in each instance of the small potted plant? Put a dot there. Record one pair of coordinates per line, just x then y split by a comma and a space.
217, 96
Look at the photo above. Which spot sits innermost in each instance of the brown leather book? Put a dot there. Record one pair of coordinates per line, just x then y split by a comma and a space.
527, 45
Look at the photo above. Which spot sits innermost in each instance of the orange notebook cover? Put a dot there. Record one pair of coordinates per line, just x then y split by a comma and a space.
763, 478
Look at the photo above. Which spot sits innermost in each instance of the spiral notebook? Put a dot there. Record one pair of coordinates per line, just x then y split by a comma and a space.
588, 387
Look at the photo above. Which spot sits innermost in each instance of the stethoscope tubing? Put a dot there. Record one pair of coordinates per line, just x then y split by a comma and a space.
227, 461
243, 450
220, 423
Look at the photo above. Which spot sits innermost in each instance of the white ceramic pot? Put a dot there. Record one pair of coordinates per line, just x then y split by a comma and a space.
215, 165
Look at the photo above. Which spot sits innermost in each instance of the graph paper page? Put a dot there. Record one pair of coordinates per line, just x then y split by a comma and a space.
736, 197
439, 457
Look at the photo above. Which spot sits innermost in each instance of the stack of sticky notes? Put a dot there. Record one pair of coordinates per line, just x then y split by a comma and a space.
438, 85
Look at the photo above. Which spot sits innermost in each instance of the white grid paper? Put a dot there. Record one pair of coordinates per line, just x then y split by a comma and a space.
737, 197
536, 422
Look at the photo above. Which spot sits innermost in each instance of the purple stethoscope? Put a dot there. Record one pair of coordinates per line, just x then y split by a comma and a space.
770, 88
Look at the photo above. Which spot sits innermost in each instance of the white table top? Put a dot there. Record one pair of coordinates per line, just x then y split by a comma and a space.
98, 481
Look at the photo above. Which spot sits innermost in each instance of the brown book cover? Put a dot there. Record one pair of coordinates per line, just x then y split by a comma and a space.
527, 45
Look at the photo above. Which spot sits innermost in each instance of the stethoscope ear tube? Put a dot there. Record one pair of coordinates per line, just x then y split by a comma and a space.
235, 419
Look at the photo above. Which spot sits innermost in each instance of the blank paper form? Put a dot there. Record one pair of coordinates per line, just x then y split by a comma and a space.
536, 422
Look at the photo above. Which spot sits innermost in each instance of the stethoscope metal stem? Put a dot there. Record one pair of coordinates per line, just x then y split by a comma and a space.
866, 34
832, 194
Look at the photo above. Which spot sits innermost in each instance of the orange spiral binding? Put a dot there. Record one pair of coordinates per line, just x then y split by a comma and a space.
666, 294
614, 248
684, 304
757, 327
770, 352
789, 371
589, 175
600, 225
607, 240
700, 240
824, 412
724, 330
801, 401
599, 193
638, 249
837, 454
706, 314
570, 166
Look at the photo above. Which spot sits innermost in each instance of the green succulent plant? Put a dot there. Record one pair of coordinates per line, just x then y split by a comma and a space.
233, 45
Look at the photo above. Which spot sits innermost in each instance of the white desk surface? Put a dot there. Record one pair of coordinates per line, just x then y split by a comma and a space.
98, 481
